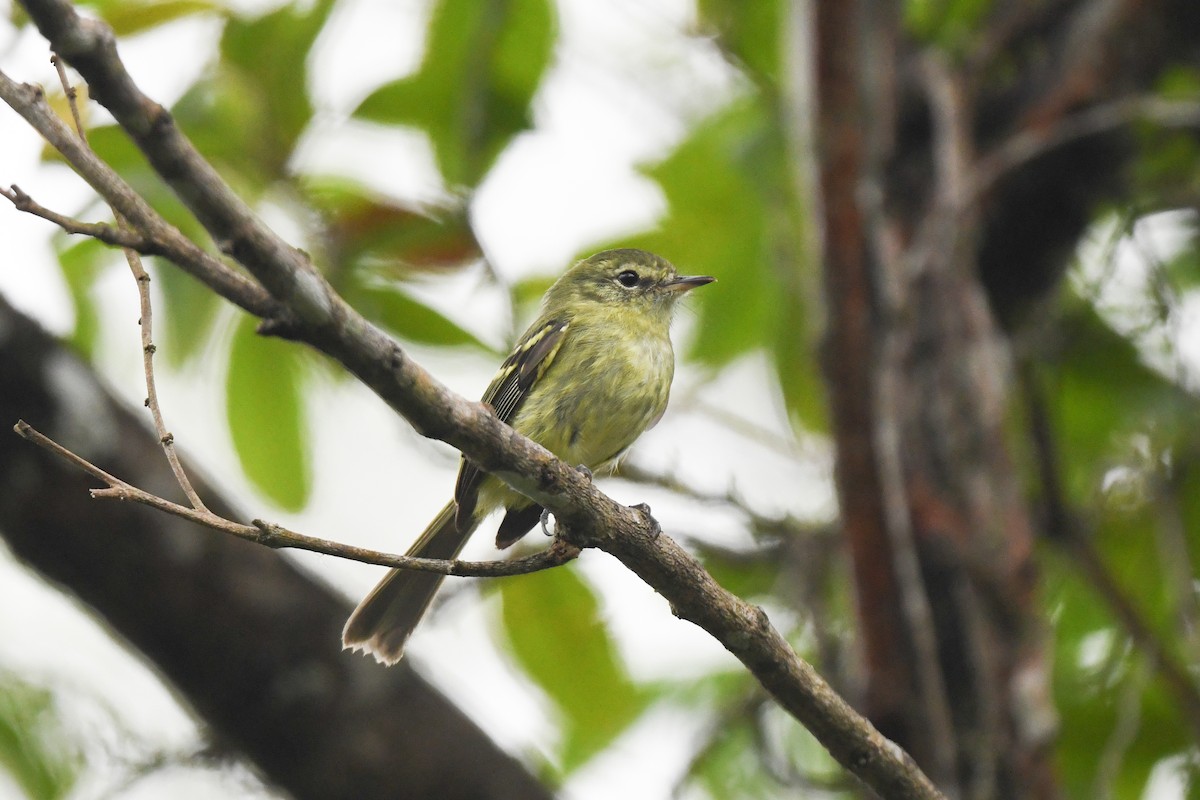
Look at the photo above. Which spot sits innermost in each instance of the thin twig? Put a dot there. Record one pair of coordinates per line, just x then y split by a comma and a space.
159, 236
165, 437
72, 95
145, 321
101, 231
276, 536
28, 432
784, 524
1033, 141
785, 445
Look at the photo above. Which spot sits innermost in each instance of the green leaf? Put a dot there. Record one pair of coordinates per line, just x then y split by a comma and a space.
1100, 391
17, 16
188, 312
259, 97
1179, 82
949, 23
797, 368
717, 226
1186, 491
364, 230
552, 623
82, 262
528, 292
35, 748
128, 17
472, 93
265, 408
1183, 269
752, 32
729, 765
223, 116
387, 305
745, 573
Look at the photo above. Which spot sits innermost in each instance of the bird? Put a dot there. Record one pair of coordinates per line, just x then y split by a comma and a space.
586, 379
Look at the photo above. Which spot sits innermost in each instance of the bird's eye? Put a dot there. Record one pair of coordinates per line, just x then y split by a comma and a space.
628, 279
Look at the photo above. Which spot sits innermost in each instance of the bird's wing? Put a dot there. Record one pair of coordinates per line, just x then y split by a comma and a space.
517, 377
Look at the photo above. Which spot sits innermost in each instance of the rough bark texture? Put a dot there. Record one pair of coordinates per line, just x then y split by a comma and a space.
921, 282
250, 642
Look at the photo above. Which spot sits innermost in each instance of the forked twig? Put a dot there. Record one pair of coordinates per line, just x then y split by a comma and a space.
276, 536
142, 279
101, 231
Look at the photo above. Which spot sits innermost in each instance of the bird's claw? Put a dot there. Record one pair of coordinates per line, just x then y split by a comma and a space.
655, 528
587, 473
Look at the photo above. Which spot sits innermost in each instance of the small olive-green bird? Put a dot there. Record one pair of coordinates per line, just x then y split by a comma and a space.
591, 374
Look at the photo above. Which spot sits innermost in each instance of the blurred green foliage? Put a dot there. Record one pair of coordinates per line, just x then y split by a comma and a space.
947, 23
553, 626
472, 95
37, 749
1124, 431
267, 414
734, 213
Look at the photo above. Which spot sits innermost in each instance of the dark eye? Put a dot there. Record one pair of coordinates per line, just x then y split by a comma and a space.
628, 279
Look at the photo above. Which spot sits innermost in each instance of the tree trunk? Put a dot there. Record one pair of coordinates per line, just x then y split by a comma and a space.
932, 231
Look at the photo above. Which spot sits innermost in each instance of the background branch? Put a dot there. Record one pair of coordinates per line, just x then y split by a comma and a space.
250, 641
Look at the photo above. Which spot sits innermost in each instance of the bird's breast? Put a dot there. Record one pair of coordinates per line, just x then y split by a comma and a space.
610, 389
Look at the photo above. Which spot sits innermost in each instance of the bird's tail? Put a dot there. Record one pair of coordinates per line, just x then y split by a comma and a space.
384, 619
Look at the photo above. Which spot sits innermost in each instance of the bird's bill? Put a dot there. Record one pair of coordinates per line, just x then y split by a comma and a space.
685, 283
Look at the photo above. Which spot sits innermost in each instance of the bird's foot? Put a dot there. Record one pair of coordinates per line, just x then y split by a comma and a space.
544, 519
587, 473
655, 528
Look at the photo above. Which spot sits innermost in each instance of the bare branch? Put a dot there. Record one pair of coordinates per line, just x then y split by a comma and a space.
1034, 141
145, 321
72, 96
90, 47
160, 237
100, 231
785, 525
276, 536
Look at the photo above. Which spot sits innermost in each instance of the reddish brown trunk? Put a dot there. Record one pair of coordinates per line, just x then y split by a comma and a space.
938, 531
